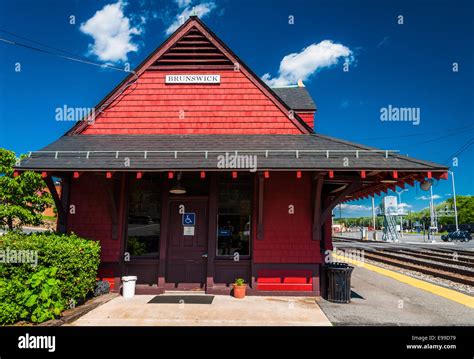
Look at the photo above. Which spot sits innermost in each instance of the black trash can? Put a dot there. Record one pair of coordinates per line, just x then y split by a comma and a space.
338, 276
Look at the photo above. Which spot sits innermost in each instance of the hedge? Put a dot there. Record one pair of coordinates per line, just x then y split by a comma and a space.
65, 274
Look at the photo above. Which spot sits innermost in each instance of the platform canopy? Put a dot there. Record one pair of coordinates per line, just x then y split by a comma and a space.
200, 152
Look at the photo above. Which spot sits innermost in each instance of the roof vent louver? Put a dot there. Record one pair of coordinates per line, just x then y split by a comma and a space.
193, 49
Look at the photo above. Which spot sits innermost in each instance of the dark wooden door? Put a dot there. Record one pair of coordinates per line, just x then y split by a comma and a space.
187, 249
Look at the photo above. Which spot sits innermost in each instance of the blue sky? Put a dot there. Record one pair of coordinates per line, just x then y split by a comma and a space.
404, 65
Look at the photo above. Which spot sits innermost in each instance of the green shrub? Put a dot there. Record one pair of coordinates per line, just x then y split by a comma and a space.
11, 291
42, 296
66, 262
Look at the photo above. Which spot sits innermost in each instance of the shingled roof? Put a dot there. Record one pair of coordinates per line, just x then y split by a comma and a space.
297, 98
193, 152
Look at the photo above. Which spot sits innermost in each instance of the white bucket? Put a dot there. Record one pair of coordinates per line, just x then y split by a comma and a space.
128, 287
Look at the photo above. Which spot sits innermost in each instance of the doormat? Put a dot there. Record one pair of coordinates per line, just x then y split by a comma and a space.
185, 299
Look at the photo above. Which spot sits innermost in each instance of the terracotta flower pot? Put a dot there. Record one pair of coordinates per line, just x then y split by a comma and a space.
239, 291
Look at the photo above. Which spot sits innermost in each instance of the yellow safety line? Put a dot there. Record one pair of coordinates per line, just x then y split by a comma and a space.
429, 287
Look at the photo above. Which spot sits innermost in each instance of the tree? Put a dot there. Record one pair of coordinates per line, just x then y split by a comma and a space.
465, 205
23, 198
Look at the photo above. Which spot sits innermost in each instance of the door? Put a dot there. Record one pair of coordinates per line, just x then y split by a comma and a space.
187, 244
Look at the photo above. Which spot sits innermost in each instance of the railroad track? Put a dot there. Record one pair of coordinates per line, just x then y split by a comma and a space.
451, 251
448, 258
441, 250
453, 265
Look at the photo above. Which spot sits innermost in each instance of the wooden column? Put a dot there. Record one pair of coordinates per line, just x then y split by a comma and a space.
113, 207
123, 218
318, 180
212, 229
255, 194
261, 181
62, 213
165, 208
65, 192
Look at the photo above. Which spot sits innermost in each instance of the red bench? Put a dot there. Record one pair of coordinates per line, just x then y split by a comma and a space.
297, 280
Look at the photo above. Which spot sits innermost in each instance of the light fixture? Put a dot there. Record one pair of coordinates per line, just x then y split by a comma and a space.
426, 185
177, 188
388, 181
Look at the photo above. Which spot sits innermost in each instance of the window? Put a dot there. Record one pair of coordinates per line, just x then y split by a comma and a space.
234, 214
144, 217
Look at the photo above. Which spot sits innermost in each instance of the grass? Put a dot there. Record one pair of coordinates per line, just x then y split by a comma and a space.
49, 218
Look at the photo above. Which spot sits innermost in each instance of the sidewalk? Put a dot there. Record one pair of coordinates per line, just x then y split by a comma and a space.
380, 300
223, 311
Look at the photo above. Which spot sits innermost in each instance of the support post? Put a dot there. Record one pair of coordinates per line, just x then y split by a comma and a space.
260, 206
317, 223
113, 208
212, 243
165, 209
58, 203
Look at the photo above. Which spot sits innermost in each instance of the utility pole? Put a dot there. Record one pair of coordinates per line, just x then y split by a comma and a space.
374, 222
433, 223
399, 203
373, 213
454, 197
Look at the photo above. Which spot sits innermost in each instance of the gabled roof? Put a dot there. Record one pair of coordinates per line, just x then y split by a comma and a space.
162, 58
188, 152
297, 98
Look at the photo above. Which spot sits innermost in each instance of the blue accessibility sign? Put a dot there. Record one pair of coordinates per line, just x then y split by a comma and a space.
189, 219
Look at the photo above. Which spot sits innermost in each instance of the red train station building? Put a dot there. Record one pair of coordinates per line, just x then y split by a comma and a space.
193, 172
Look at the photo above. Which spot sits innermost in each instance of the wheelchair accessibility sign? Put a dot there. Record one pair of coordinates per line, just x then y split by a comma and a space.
189, 219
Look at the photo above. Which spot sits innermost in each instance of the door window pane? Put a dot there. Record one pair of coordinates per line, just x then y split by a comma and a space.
234, 215
144, 217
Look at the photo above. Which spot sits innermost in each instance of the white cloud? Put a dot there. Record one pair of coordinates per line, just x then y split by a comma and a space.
112, 33
404, 205
355, 207
426, 198
200, 10
301, 65
183, 3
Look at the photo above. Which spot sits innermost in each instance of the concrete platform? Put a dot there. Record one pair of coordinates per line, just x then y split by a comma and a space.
224, 311
380, 300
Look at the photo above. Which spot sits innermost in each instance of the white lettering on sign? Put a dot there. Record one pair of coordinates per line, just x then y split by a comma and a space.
188, 231
193, 79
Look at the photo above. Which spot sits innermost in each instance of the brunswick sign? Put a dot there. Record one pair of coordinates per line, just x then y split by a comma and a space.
193, 79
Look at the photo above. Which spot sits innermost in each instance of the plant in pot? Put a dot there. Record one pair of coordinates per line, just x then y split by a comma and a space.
239, 288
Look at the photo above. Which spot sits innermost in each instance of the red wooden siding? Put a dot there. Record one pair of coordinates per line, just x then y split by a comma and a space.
307, 117
287, 237
92, 218
235, 106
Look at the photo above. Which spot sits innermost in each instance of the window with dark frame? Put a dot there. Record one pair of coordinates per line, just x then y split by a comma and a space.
144, 217
234, 214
